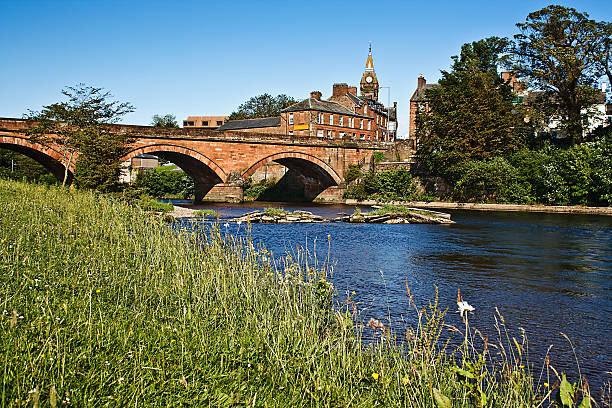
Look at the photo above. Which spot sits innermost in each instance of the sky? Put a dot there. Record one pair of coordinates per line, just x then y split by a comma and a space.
204, 58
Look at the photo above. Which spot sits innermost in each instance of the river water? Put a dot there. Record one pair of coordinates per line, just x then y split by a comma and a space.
546, 273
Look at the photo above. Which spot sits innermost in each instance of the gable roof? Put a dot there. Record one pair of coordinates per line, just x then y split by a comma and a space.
251, 123
313, 104
419, 94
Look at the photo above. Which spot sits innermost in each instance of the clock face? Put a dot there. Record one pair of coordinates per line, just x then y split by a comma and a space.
369, 79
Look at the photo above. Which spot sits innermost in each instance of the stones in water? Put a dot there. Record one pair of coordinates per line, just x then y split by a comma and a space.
279, 216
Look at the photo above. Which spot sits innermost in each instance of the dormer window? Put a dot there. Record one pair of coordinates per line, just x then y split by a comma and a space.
291, 118
365, 110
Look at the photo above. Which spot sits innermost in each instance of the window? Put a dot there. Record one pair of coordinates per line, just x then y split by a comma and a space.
329, 134
204, 123
290, 133
365, 110
341, 120
188, 123
369, 125
219, 122
291, 118
362, 136
342, 134
320, 133
331, 119
321, 118
360, 123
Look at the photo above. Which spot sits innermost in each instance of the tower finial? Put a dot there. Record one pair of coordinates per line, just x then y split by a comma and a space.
370, 42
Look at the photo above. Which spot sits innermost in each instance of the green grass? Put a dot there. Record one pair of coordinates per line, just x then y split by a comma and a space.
104, 305
275, 212
395, 209
205, 213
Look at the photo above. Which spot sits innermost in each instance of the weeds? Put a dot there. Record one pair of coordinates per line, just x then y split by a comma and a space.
103, 304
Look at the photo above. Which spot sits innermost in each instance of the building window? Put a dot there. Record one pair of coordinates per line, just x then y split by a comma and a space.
204, 123
341, 120
320, 133
365, 110
329, 133
219, 122
331, 119
321, 119
291, 133
291, 118
188, 123
369, 125
362, 136
360, 123
342, 134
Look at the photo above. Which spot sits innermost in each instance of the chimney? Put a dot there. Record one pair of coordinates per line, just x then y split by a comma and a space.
353, 90
421, 82
340, 89
316, 95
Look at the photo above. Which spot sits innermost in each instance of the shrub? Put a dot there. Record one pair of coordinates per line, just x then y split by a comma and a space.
162, 182
353, 173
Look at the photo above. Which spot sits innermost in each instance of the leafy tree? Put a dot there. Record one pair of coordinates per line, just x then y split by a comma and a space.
563, 53
166, 121
80, 126
262, 106
470, 115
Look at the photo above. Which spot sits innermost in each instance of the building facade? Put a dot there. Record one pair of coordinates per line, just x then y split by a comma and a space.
343, 116
204, 122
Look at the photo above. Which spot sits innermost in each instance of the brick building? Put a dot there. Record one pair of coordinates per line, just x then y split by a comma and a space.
343, 116
204, 122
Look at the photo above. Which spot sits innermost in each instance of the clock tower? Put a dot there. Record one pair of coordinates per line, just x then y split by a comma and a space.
369, 83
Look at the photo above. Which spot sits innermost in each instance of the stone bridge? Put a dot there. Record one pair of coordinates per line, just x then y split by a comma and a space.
219, 161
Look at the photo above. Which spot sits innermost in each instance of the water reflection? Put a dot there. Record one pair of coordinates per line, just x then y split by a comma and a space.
546, 273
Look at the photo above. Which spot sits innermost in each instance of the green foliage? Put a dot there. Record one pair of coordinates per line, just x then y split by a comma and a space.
493, 180
563, 53
387, 185
162, 182
152, 204
274, 212
254, 190
470, 115
166, 121
353, 173
262, 106
17, 166
80, 127
378, 156
205, 213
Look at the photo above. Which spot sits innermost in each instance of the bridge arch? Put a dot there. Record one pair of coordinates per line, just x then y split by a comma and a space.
204, 172
320, 174
50, 158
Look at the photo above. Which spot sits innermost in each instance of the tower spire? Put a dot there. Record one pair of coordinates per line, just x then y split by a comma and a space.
369, 61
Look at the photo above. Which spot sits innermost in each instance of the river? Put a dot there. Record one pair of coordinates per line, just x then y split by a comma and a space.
546, 273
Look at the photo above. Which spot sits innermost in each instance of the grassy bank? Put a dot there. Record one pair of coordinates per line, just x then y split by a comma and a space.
103, 305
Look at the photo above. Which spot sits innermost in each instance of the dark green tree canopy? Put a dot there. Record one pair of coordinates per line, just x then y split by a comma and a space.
563, 53
166, 121
81, 126
470, 115
262, 106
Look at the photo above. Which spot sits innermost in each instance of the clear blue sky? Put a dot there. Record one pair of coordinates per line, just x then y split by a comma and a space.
205, 58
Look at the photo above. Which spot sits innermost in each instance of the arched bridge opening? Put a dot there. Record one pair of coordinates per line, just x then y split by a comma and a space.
302, 178
49, 158
203, 171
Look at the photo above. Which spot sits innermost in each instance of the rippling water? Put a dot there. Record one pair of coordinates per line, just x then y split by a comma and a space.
546, 273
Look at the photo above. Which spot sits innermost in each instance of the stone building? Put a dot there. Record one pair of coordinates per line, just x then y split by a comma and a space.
343, 116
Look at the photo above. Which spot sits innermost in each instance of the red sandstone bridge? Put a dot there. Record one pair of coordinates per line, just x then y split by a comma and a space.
219, 161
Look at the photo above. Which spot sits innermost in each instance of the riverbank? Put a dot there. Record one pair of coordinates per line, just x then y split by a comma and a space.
489, 207
103, 304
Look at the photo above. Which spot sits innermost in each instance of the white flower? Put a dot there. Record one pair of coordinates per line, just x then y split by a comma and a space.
463, 305
226, 225
239, 222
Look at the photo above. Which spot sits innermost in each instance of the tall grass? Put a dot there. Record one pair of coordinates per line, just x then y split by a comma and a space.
104, 305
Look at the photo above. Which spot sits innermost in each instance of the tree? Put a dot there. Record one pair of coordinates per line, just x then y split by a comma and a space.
262, 106
166, 121
80, 126
470, 115
563, 53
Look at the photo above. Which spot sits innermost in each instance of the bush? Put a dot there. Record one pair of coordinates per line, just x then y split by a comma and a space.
353, 173
493, 180
387, 185
162, 182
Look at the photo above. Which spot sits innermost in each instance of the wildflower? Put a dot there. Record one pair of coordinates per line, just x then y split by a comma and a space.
406, 380
239, 222
97, 290
353, 292
226, 225
375, 376
546, 385
463, 306
121, 380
